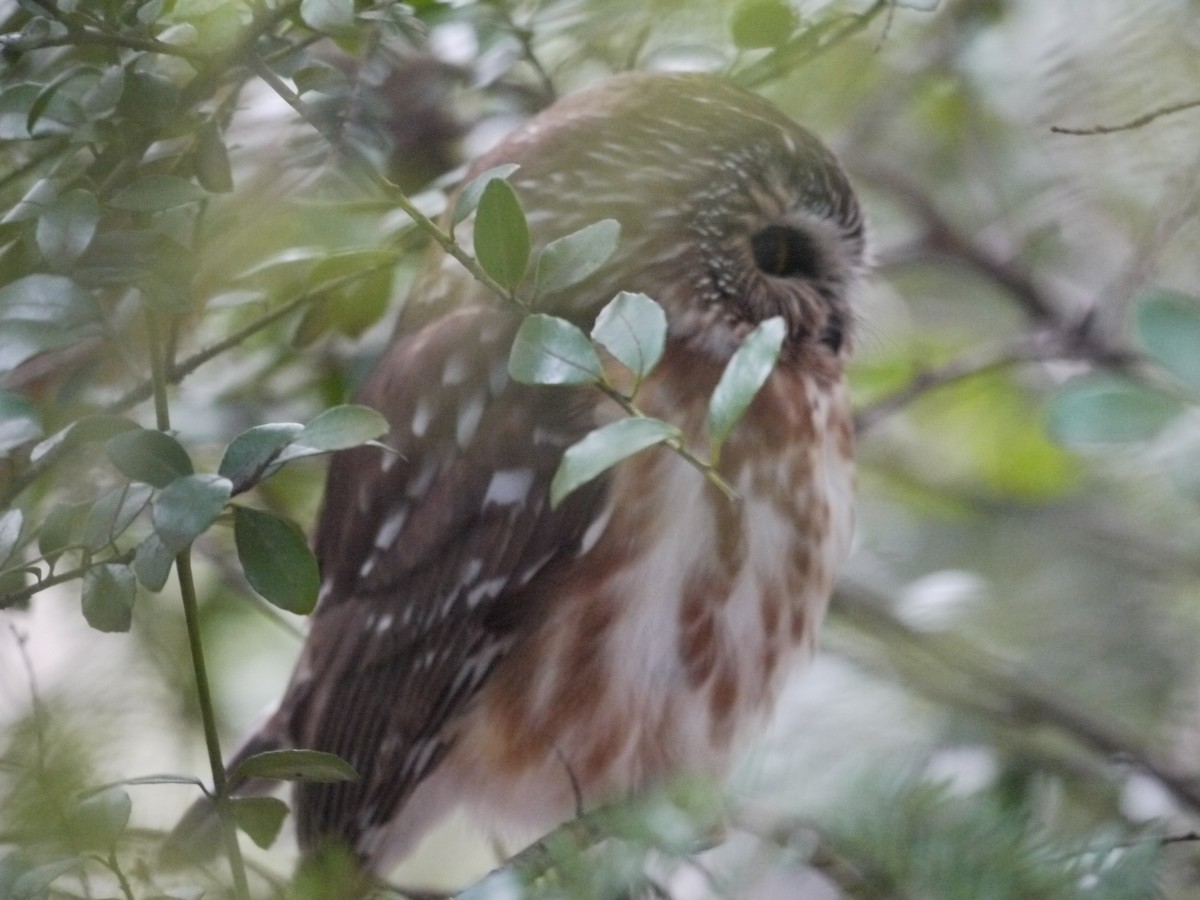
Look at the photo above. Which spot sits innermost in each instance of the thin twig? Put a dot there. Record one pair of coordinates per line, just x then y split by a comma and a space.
1141, 120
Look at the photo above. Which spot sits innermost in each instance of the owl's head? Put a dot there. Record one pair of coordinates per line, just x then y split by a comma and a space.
730, 212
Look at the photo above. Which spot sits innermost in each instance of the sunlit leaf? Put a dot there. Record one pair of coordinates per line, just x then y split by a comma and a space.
109, 591
341, 427
633, 328
746, 372
276, 559
550, 350
502, 240
569, 260
603, 448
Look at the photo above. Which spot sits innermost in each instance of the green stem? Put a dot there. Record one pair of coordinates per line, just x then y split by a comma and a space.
191, 614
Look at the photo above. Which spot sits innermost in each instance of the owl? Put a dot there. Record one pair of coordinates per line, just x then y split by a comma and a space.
474, 644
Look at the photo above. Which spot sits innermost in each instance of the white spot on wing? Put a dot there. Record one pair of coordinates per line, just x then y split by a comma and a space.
508, 487
391, 528
485, 590
422, 416
455, 370
594, 531
469, 414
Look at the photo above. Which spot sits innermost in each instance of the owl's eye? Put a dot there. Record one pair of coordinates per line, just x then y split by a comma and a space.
786, 252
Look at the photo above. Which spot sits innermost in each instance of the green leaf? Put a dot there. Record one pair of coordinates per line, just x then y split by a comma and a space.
154, 193
633, 328
152, 563
570, 259
102, 817
67, 227
1109, 410
153, 457
87, 429
41, 312
502, 234
187, 506
112, 514
34, 883
10, 533
249, 455
346, 264
746, 372
212, 161
20, 422
763, 23
339, 428
603, 448
320, 78
472, 191
35, 202
260, 817
550, 350
109, 591
329, 16
1169, 325
276, 560
59, 528
312, 766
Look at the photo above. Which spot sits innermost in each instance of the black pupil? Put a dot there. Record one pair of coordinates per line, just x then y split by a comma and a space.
785, 252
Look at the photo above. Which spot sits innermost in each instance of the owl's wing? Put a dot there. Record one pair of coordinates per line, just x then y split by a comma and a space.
423, 554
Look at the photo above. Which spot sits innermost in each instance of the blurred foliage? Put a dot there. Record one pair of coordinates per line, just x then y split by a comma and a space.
1009, 702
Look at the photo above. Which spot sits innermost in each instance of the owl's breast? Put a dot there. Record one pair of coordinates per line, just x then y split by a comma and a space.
673, 627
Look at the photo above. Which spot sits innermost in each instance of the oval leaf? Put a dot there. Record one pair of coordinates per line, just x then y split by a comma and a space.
260, 817
468, 197
603, 448
633, 328
101, 818
550, 350
187, 506
58, 529
212, 160
249, 454
10, 533
152, 457
746, 372
108, 594
152, 563
502, 234
67, 227
113, 513
295, 765
1107, 410
276, 560
153, 193
569, 260
19, 421
341, 427
99, 427
1169, 325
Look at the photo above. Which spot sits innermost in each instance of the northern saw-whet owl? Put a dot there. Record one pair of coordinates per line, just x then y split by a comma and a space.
474, 645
